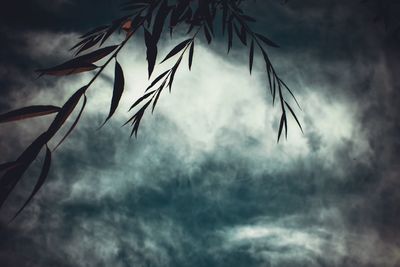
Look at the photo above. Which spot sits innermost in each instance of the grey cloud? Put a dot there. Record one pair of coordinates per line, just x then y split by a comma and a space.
205, 184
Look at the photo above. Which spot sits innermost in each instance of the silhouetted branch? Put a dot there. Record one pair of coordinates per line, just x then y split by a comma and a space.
151, 16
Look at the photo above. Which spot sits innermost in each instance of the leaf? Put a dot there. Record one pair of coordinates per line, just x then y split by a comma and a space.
82, 42
42, 178
12, 176
224, 16
251, 56
119, 84
173, 71
241, 34
96, 55
291, 93
177, 49
7, 165
159, 20
230, 35
96, 30
191, 52
151, 52
158, 93
156, 99
207, 34
65, 111
178, 12
28, 112
156, 80
294, 116
266, 40
137, 102
127, 25
92, 42
114, 26
74, 124
137, 118
70, 67
283, 118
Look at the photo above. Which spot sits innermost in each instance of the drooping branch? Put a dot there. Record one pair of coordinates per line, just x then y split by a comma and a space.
151, 16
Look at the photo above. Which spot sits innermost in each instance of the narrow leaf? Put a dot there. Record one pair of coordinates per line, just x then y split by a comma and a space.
7, 165
283, 118
65, 111
96, 55
74, 124
177, 49
266, 40
156, 80
119, 84
96, 30
68, 68
294, 116
28, 112
137, 102
251, 56
151, 52
42, 178
207, 34
191, 52
13, 175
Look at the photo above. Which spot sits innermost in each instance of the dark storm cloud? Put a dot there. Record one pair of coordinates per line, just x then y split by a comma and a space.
206, 184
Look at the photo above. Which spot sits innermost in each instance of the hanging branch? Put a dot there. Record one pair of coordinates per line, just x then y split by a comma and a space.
151, 16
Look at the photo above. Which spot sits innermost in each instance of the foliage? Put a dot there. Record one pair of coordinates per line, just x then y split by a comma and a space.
153, 17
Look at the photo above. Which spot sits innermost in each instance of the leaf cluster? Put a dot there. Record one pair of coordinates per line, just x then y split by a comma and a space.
153, 18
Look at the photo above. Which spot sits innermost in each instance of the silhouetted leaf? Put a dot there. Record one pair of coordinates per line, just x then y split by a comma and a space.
230, 35
191, 52
156, 80
283, 118
173, 71
177, 49
158, 93
65, 111
95, 30
96, 55
92, 42
74, 124
28, 112
114, 26
291, 93
207, 34
241, 34
7, 165
137, 118
179, 12
251, 56
127, 25
12, 176
266, 40
151, 52
70, 67
159, 20
119, 84
294, 116
137, 102
224, 16
42, 178
82, 42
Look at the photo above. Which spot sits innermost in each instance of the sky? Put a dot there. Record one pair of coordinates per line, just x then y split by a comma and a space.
205, 183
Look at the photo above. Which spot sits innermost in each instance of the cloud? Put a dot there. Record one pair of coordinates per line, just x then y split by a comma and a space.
205, 183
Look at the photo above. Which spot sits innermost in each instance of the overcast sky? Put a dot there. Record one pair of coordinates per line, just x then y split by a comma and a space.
205, 183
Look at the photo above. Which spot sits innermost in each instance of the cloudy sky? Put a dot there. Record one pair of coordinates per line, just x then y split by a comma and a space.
205, 183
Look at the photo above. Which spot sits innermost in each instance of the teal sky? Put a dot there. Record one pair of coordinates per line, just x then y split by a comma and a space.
205, 183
